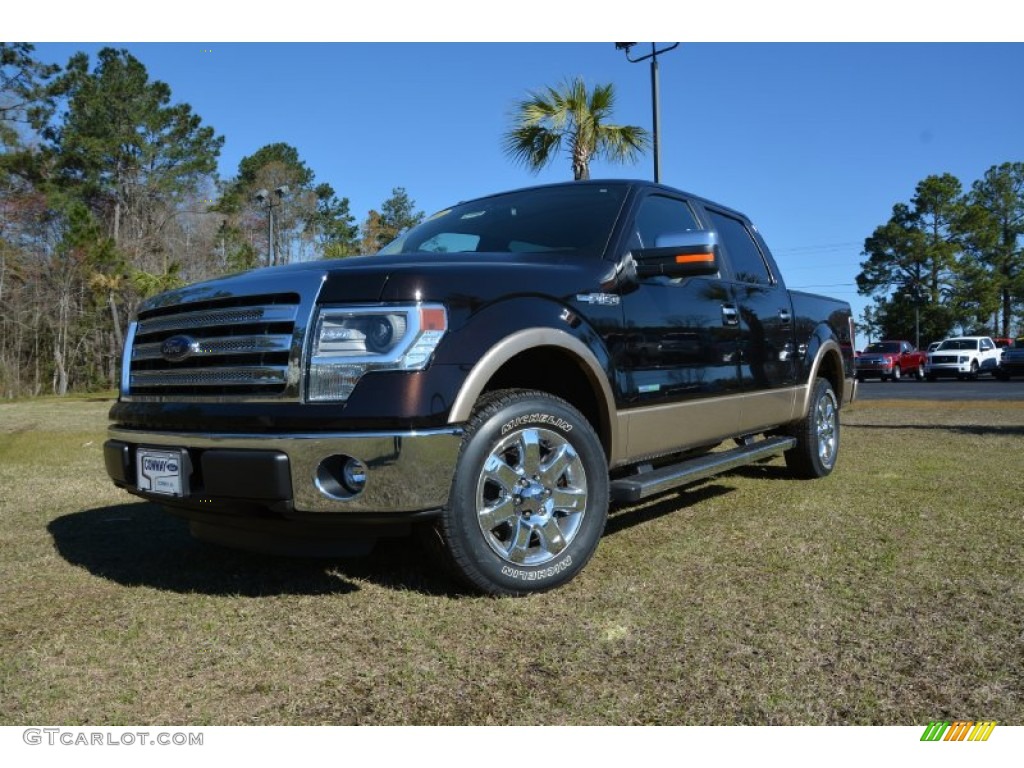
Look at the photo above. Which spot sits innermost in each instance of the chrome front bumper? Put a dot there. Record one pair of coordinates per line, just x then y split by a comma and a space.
405, 471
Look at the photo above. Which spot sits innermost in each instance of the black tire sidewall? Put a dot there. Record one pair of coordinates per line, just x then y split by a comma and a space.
472, 557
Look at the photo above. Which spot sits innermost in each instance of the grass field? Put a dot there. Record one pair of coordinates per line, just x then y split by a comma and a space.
889, 593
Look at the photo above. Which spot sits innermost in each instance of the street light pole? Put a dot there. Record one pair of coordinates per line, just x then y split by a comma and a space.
656, 117
263, 197
270, 233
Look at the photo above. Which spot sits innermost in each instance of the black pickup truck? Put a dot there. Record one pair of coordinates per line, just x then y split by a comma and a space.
497, 376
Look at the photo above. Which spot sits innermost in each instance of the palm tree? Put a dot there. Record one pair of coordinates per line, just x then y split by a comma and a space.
571, 116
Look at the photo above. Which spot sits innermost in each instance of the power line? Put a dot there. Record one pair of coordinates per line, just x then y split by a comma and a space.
824, 285
819, 266
826, 247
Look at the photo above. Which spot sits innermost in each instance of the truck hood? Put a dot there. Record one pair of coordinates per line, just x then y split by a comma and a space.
472, 277
466, 277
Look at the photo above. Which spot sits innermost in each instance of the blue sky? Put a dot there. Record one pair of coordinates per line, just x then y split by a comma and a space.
814, 141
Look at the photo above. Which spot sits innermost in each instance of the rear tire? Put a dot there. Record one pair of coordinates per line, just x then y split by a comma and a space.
817, 435
529, 499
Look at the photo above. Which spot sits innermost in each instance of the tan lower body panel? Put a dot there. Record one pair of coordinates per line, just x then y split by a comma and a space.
661, 429
762, 410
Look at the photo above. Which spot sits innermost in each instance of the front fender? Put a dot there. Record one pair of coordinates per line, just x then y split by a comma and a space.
496, 335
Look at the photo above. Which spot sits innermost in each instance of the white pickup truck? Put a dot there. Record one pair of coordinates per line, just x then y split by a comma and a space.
964, 357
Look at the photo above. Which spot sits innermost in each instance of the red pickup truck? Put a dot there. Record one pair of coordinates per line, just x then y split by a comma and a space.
890, 360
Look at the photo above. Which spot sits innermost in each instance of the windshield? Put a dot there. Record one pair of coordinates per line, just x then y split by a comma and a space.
959, 344
566, 219
884, 346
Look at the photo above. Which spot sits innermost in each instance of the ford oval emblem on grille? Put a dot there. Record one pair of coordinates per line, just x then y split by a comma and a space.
178, 348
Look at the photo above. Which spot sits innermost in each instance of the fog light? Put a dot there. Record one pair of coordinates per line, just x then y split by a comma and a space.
341, 477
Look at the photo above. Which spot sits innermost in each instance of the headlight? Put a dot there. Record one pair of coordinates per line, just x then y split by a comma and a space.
964, 358
351, 341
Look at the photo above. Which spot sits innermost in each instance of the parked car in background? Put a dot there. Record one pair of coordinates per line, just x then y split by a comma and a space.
964, 357
1002, 343
1012, 361
890, 360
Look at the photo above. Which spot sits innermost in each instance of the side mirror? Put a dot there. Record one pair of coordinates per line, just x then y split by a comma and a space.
682, 254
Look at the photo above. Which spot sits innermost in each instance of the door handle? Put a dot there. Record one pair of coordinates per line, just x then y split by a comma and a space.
784, 317
730, 315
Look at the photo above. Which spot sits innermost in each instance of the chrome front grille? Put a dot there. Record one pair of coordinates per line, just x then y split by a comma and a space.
944, 359
221, 317
222, 345
237, 347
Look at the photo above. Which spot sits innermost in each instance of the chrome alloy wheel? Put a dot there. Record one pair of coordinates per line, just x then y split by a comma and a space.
531, 496
826, 424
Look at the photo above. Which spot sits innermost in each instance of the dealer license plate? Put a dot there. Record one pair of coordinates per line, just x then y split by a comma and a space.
160, 471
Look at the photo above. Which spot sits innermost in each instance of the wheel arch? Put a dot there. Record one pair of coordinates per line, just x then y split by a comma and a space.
828, 364
550, 360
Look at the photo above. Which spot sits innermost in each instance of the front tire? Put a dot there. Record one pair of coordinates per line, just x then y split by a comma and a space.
529, 499
817, 435
897, 374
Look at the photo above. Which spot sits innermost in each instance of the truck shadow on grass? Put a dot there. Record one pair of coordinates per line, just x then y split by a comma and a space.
999, 430
763, 472
138, 544
624, 516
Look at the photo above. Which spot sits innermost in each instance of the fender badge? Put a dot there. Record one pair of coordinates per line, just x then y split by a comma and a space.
601, 299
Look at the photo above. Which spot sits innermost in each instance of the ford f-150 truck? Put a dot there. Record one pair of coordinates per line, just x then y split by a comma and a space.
891, 360
964, 357
496, 376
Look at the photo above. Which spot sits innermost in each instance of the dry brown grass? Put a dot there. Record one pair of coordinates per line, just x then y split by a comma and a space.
889, 593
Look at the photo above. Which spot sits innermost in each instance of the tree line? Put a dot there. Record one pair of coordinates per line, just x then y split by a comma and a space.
109, 194
949, 261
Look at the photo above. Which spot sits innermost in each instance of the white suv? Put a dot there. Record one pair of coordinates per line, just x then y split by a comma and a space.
963, 357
